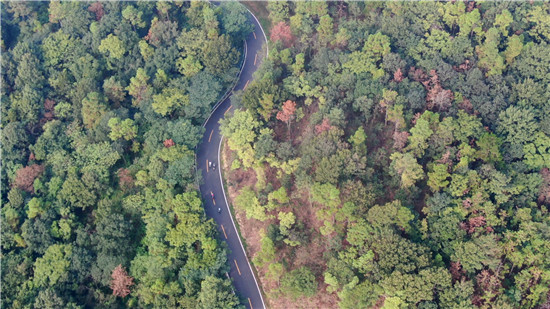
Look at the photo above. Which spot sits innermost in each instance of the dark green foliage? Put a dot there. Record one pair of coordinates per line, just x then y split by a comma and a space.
299, 282
90, 93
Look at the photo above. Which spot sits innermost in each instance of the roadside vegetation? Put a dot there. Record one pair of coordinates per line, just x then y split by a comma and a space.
397, 155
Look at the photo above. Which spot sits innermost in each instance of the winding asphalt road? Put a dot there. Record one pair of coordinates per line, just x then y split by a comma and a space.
208, 150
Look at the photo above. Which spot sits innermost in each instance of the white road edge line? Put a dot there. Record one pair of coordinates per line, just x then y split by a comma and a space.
219, 149
219, 171
235, 227
226, 95
265, 37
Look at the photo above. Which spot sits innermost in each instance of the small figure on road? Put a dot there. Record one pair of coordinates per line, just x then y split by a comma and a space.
213, 166
219, 210
209, 163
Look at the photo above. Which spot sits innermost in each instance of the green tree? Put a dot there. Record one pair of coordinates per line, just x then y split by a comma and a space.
470, 23
420, 134
539, 17
248, 201
220, 55
113, 46
407, 168
122, 129
278, 11
279, 195
93, 108
376, 46
234, 21
133, 16
58, 48
477, 254
358, 141
356, 294
537, 153
53, 267
266, 254
503, 21
189, 66
139, 88
437, 178
325, 29
146, 50
489, 148
325, 194
286, 220
217, 293
299, 282
170, 100
517, 125
240, 132
489, 56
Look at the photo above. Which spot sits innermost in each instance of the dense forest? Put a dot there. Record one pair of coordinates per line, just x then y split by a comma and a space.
102, 107
397, 155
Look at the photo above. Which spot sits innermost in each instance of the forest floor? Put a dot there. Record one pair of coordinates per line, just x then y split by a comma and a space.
310, 254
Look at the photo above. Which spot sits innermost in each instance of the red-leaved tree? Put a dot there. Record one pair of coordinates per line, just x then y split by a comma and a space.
97, 8
456, 271
169, 143
49, 108
287, 114
398, 75
437, 96
24, 177
281, 32
476, 222
125, 179
324, 126
400, 139
544, 191
121, 282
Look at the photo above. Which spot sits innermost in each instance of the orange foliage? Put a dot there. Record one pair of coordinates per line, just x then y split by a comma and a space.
121, 282
169, 143
281, 32
97, 8
324, 126
24, 177
398, 75
289, 108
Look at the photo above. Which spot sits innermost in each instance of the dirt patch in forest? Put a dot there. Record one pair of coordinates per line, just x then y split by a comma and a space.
236, 180
323, 300
239, 178
309, 254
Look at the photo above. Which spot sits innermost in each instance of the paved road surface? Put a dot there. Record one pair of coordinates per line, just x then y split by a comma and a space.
243, 278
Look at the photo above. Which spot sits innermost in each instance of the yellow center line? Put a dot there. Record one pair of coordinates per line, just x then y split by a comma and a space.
250, 304
254, 33
209, 138
246, 84
237, 267
228, 109
255, 58
207, 165
223, 229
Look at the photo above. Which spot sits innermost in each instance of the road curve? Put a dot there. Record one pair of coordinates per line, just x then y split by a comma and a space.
245, 282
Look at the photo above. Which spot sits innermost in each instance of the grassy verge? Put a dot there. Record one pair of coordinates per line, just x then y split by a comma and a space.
259, 9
